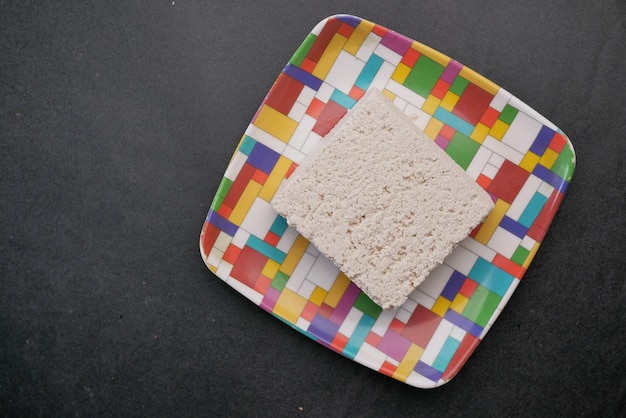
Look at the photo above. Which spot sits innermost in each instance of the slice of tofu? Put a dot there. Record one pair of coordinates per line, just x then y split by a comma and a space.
382, 201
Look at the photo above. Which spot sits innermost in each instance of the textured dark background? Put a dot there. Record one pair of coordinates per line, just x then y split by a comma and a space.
117, 121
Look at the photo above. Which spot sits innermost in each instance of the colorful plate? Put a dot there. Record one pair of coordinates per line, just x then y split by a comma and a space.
521, 159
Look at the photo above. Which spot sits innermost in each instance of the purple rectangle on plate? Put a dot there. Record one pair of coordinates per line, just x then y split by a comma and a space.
451, 71
222, 223
396, 42
443, 142
454, 284
427, 371
550, 177
513, 227
345, 303
394, 345
544, 137
263, 158
270, 298
323, 328
303, 76
350, 20
463, 322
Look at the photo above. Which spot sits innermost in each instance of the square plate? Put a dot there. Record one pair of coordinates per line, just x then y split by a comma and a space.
520, 158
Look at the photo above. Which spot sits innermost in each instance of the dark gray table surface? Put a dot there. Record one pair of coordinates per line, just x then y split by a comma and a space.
117, 121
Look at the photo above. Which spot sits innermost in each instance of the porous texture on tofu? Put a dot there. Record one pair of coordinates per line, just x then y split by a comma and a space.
382, 201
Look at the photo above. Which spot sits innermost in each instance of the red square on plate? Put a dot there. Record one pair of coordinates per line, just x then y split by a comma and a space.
508, 181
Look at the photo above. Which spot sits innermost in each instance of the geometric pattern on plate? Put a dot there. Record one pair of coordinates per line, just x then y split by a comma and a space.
521, 159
